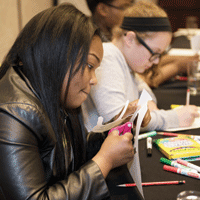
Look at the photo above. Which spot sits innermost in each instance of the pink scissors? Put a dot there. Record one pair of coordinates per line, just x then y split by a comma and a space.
124, 128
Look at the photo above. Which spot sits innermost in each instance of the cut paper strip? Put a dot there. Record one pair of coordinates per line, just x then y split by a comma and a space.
134, 165
100, 127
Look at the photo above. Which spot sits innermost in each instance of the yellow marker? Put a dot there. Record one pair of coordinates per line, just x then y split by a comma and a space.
175, 106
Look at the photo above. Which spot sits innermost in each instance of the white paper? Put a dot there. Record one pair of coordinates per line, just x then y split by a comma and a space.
195, 43
195, 125
100, 127
134, 165
181, 52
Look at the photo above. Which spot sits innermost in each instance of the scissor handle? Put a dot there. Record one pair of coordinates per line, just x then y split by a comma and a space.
124, 128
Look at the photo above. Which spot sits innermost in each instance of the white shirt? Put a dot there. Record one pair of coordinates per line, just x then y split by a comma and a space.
117, 84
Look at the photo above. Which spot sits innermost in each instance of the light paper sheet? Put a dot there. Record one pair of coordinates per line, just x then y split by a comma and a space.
134, 165
195, 125
100, 127
195, 43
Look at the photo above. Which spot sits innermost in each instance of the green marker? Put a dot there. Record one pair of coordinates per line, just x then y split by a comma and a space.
145, 135
175, 164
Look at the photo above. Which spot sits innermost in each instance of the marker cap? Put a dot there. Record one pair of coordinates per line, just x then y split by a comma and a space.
169, 168
182, 182
149, 152
165, 161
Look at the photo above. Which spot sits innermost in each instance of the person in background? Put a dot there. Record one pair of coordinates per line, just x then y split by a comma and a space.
169, 67
137, 44
110, 13
44, 79
191, 22
107, 14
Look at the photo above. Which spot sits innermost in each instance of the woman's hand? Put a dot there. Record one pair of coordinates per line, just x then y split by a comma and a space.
115, 151
132, 107
187, 115
130, 110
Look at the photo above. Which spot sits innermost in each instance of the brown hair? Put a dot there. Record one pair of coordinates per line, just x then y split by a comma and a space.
140, 9
143, 9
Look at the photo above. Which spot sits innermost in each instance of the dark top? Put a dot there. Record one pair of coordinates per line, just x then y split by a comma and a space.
27, 150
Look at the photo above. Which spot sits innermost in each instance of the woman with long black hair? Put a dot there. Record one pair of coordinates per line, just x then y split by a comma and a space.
44, 79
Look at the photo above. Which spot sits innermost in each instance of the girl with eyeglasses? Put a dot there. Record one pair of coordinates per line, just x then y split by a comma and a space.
136, 45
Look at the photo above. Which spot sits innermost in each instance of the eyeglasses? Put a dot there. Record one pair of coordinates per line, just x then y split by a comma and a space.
154, 55
118, 7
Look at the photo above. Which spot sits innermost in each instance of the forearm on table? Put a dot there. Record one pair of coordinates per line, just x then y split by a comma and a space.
166, 72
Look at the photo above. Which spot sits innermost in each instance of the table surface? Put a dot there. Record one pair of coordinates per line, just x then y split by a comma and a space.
151, 167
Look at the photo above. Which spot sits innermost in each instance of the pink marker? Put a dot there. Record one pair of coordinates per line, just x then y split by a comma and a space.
181, 171
190, 165
124, 128
168, 134
181, 78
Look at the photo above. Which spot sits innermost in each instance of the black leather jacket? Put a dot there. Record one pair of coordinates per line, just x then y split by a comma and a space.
27, 148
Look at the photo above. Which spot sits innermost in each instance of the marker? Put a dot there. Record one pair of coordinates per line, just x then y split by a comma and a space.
149, 146
175, 164
188, 97
168, 134
186, 163
180, 78
181, 171
153, 183
191, 159
145, 135
175, 106
178, 134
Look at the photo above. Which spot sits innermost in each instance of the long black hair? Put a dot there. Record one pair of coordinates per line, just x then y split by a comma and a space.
46, 49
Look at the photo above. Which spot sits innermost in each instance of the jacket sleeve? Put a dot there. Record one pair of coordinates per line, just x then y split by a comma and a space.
23, 174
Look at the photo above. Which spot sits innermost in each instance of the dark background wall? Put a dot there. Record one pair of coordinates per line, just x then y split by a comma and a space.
180, 12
